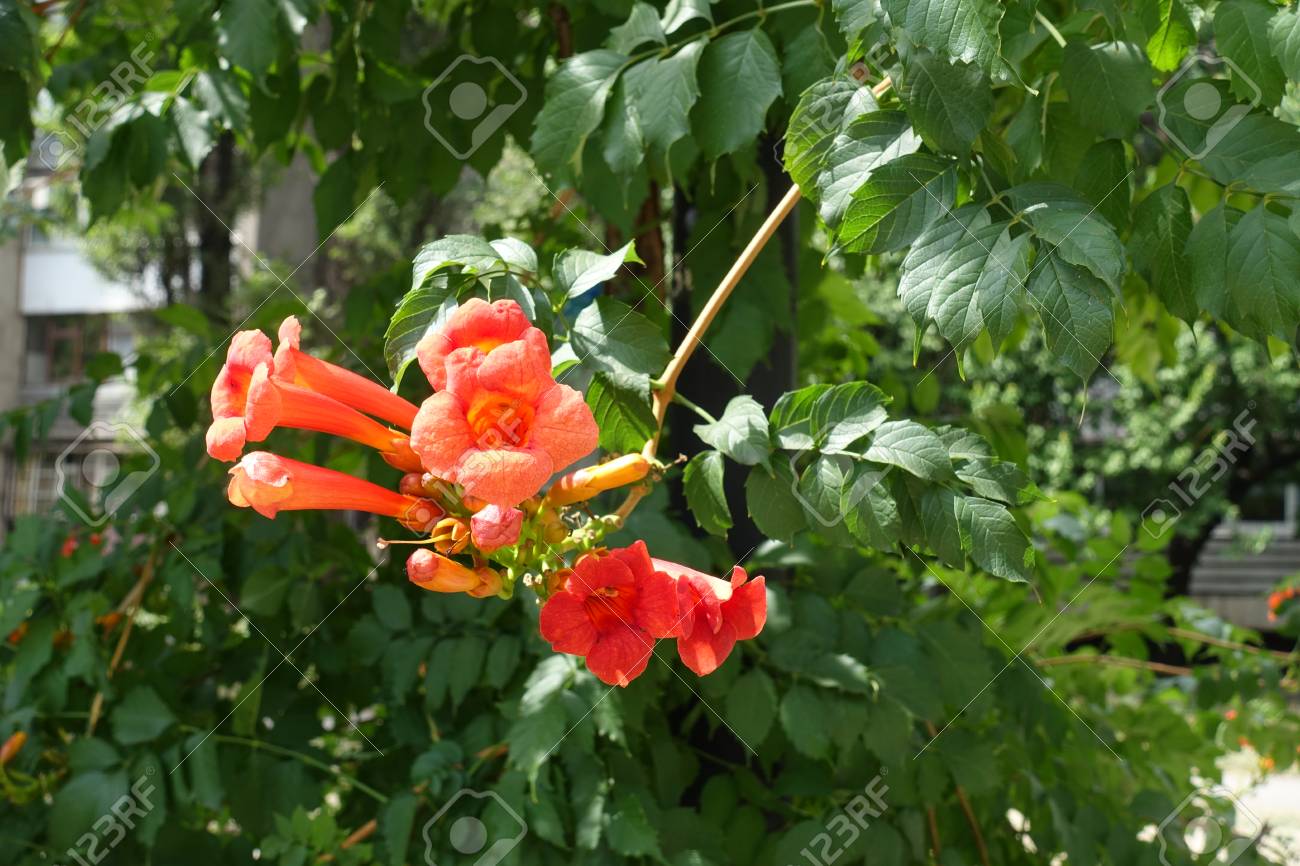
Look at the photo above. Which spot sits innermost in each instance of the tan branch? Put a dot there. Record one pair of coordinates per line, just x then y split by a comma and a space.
966, 809
1115, 661
130, 602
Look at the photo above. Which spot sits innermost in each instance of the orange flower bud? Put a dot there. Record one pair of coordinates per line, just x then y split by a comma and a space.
16, 636
450, 535
108, 622
437, 573
582, 484
11, 747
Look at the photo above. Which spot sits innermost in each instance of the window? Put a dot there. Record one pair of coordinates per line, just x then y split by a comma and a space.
59, 346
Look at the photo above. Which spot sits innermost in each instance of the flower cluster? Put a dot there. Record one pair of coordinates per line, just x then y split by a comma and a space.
479, 459
1277, 600
613, 606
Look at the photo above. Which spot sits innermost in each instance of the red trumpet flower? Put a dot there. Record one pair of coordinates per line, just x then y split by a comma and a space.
269, 484
714, 613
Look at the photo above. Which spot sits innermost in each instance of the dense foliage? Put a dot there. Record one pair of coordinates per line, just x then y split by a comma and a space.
1050, 189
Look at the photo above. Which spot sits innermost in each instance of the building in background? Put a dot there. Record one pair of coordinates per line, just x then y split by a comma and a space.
56, 313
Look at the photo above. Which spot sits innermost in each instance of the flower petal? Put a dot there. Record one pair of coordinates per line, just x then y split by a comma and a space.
441, 435
620, 655
565, 625
705, 650
564, 426
746, 611
504, 476
521, 367
656, 604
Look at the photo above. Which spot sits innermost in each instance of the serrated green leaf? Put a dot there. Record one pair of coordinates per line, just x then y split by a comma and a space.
1241, 34
1103, 179
502, 660
680, 12
1074, 308
1077, 232
625, 419
740, 78
642, 26
141, 716
824, 111
1207, 248
897, 203
995, 542
629, 830
702, 482
855, 16
578, 271
1262, 264
870, 512
741, 432
664, 90
843, 414
421, 310
471, 253
1284, 39
1000, 288
1158, 246
913, 448
751, 707
611, 337
771, 503
804, 717
392, 607
1169, 43
573, 107
247, 33
791, 421
870, 141
998, 479
965, 30
1110, 85
949, 103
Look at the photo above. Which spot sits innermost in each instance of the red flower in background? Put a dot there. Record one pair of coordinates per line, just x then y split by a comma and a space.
503, 425
714, 613
610, 610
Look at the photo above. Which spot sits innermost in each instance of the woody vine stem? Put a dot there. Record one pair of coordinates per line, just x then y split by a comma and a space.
665, 387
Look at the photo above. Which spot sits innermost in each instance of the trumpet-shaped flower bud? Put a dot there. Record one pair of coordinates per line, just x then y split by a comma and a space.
437, 573
248, 351
269, 484
582, 484
296, 367
610, 610
714, 613
495, 527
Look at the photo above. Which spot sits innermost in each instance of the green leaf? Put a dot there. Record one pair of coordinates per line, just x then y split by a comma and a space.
739, 80
1284, 38
470, 252
771, 503
949, 103
534, 736
1233, 144
995, 542
680, 12
518, 256
578, 271
263, 592
611, 337
663, 90
897, 203
870, 512
855, 16
1169, 43
1262, 264
1109, 85
624, 143
247, 33
420, 311
804, 717
912, 447
751, 708
80, 803
467, 656
1103, 179
998, 479
18, 47
141, 716
845, 413
629, 831
1161, 227
1001, 287
502, 660
572, 109
1077, 232
641, 26
965, 30
1207, 248
937, 507
392, 607
1074, 308
741, 432
941, 274
625, 419
702, 481
1242, 34
824, 111
870, 141
396, 820
791, 421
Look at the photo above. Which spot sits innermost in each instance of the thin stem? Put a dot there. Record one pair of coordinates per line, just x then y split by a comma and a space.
698, 410
966, 808
1115, 661
1056, 34
298, 756
131, 602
